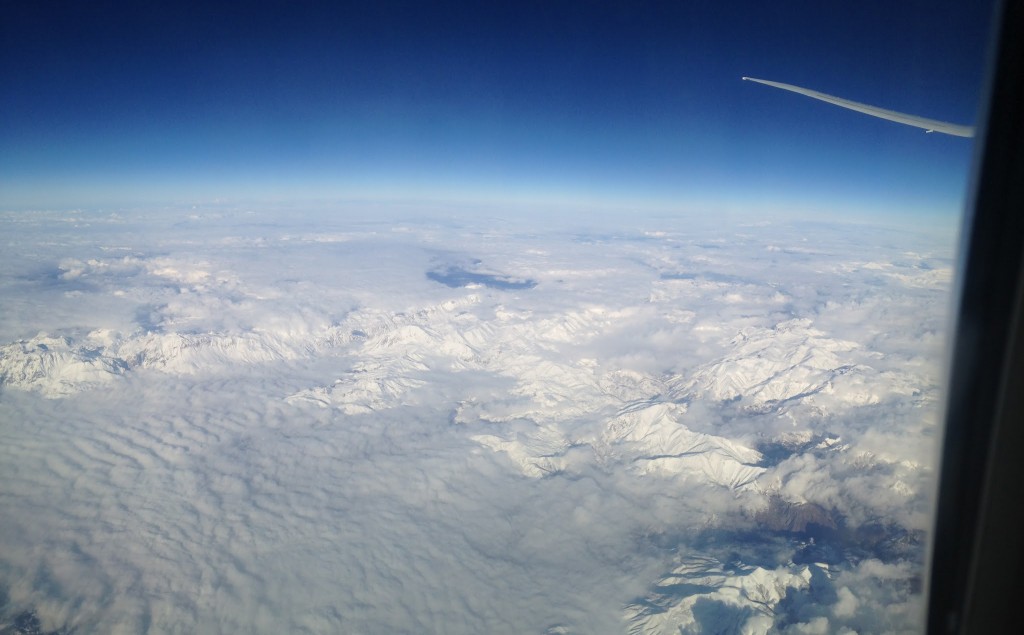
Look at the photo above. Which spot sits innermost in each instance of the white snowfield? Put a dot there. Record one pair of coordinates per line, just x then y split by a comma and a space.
750, 595
285, 428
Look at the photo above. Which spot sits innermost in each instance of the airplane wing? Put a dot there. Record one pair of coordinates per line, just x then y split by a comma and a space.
930, 125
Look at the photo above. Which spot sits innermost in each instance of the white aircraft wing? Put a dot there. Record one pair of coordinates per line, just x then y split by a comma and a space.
931, 125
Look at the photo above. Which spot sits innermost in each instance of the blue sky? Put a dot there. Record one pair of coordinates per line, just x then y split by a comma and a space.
121, 104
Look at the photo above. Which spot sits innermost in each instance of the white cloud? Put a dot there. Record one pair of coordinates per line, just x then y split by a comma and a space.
285, 425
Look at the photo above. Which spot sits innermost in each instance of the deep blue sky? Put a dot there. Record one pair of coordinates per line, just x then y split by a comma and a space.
108, 104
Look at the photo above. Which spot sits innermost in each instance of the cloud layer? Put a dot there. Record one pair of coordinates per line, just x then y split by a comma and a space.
233, 421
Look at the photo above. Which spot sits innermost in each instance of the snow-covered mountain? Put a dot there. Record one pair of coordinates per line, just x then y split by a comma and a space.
57, 366
702, 594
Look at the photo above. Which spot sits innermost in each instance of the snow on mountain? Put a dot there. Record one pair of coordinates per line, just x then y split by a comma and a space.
553, 391
653, 438
646, 438
702, 595
772, 364
620, 416
578, 326
544, 452
55, 367
64, 365
628, 385
447, 338
793, 361
408, 338
184, 353
763, 366
366, 388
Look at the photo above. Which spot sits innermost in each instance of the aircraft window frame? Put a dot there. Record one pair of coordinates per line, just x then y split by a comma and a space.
974, 583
